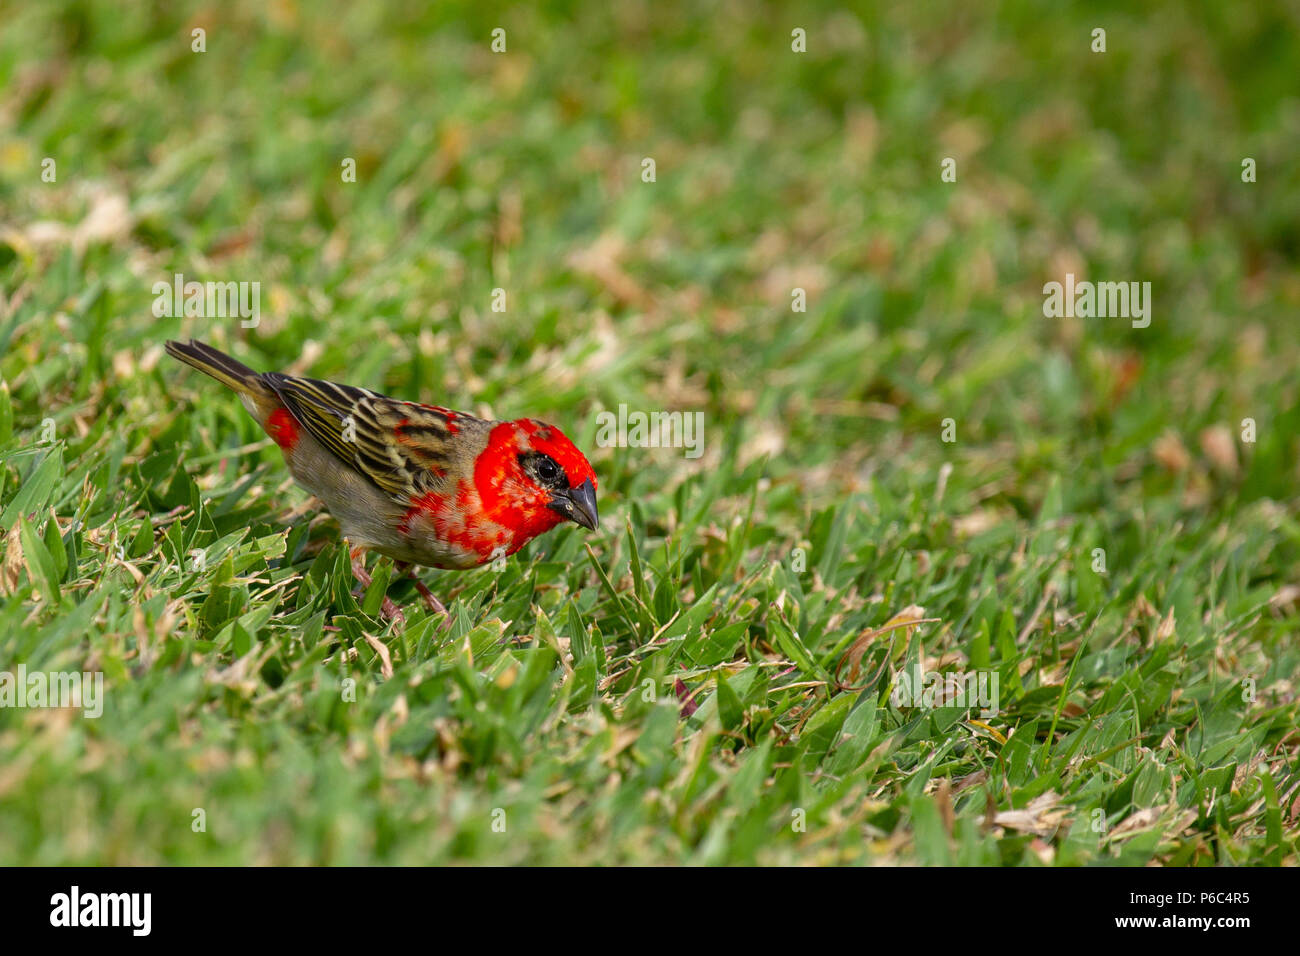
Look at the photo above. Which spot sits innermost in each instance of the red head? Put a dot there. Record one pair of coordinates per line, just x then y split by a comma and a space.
531, 478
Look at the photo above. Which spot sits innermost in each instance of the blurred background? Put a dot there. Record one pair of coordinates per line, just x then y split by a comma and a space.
774, 171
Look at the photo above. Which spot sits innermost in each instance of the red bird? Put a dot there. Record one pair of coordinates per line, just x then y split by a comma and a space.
419, 483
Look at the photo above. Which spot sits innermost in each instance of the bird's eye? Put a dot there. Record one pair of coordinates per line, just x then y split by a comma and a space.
548, 470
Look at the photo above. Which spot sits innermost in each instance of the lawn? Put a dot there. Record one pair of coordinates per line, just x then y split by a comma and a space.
837, 257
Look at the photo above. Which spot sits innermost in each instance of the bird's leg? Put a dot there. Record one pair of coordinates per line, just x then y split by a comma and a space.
431, 602
358, 556
387, 610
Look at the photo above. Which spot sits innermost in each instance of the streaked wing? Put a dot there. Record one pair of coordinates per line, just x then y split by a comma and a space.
403, 447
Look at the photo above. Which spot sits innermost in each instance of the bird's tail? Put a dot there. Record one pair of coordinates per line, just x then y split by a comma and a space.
218, 364
229, 372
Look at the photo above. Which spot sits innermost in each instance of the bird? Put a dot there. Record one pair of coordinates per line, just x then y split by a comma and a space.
422, 484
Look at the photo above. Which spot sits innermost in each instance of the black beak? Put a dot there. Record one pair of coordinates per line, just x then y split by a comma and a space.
578, 505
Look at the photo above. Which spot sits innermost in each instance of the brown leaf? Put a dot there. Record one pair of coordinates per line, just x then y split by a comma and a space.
1126, 370
1045, 852
1041, 817
943, 797
1144, 608
600, 261
976, 522
907, 619
385, 660
107, 220
1171, 453
1287, 594
1217, 443
1134, 822
970, 780
13, 564
1167, 627
1246, 770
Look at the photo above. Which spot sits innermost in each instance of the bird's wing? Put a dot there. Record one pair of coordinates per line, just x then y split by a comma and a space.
403, 447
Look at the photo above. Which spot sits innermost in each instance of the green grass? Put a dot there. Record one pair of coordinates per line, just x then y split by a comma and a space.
546, 724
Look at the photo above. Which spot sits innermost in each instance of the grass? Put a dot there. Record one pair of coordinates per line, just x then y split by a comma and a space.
680, 686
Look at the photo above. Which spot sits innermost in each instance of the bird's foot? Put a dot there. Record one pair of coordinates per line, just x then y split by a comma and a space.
388, 611
432, 603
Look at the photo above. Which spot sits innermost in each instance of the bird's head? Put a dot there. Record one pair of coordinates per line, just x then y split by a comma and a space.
532, 478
